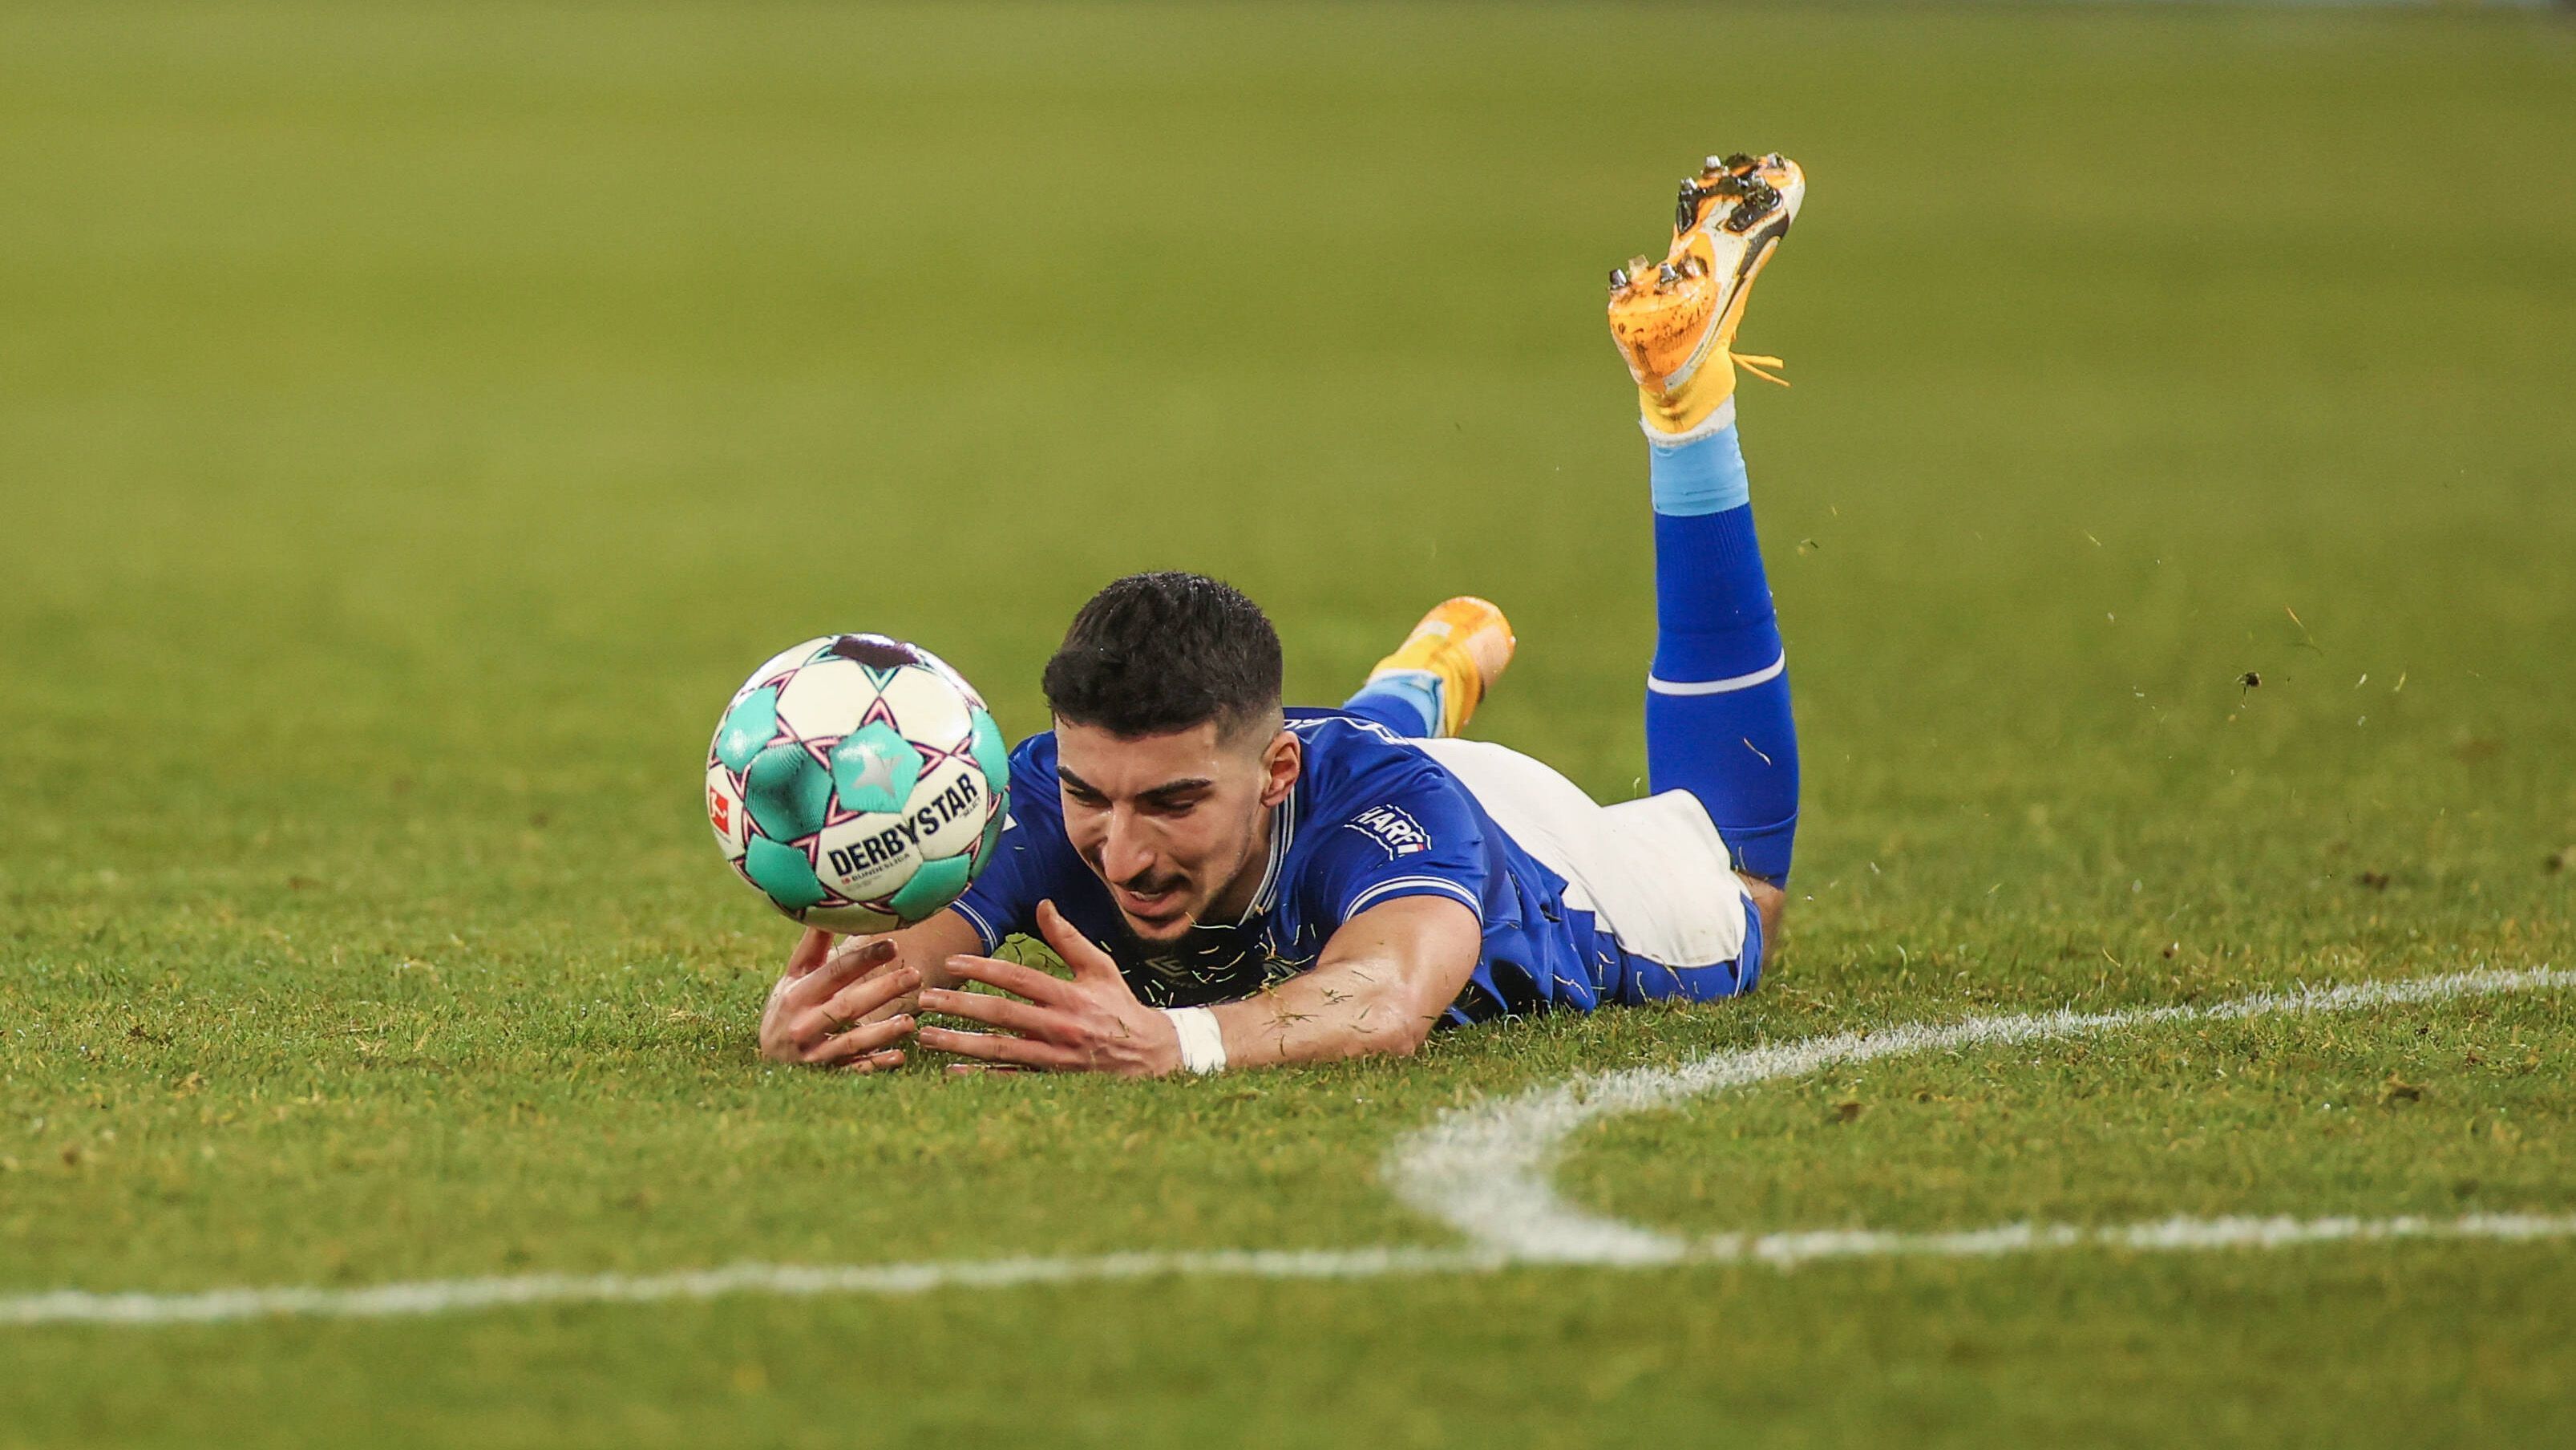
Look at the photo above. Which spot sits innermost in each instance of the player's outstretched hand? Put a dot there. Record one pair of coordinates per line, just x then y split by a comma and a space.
829, 1009
1090, 1024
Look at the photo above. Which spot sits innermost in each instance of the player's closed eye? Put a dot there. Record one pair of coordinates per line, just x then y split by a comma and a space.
1178, 800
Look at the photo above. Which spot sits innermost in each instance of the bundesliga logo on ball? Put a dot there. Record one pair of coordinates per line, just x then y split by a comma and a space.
857, 782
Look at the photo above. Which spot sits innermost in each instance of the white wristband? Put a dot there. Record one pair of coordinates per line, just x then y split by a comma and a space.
1202, 1043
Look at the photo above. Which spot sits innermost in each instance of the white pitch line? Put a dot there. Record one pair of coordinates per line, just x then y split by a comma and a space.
1465, 1169
448, 1296
1789, 1250
1485, 1170
797, 1281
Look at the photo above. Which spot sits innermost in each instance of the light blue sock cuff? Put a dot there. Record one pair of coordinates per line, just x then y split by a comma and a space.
1702, 476
1388, 698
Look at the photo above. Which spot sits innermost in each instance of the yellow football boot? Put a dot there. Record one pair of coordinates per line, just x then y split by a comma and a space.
1463, 644
1675, 321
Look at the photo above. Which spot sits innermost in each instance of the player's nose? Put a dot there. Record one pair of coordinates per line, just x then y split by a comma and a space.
1127, 852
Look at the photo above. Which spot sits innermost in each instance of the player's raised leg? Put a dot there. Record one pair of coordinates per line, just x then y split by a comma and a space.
1435, 680
1718, 722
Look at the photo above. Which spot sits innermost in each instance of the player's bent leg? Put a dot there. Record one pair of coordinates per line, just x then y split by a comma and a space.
1763, 905
1650, 979
1718, 722
1718, 716
1644, 895
1432, 684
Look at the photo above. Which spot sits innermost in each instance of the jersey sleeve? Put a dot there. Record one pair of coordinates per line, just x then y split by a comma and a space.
1031, 863
1416, 835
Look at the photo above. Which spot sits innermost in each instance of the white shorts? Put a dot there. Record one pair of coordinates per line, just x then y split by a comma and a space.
1653, 872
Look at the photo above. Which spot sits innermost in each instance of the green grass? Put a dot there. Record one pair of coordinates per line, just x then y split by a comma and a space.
413, 422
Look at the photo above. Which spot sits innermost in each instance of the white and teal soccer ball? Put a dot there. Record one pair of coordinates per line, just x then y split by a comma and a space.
857, 782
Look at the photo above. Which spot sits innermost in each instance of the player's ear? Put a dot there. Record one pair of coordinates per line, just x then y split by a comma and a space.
1281, 762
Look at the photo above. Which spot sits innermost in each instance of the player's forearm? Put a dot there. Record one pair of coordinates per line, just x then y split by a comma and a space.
928, 946
1363, 1011
1383, 983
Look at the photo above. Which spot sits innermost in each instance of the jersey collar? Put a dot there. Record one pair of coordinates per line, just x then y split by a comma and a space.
1283, 833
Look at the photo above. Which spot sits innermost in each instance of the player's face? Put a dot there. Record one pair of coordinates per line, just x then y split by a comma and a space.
1175, 824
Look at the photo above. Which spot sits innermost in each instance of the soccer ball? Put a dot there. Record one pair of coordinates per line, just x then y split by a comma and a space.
857, 782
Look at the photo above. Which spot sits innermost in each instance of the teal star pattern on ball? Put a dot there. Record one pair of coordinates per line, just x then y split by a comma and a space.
992, 755
787, 792
783, 873
935, 885
994, 827
874, 769
748, 728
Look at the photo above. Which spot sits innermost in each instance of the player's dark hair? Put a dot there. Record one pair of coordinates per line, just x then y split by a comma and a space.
1153, 654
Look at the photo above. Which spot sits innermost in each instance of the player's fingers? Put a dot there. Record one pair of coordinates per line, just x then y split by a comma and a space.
1011, 977
992, 1011
853, 1003
827, 977
869, 997
861, 954
854, 957
865, 1041
996, 1047
886, 1061
978, 1069
811, 949
1079, 952
888, 1009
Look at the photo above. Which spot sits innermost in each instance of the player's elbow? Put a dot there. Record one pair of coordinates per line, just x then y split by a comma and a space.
1394, 1024
1405, 1023
1404, 1036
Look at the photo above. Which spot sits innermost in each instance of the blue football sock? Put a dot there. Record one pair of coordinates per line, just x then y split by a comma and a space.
1717, 705
1404, 701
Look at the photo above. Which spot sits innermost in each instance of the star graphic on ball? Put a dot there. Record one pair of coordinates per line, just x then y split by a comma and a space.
874, 772
875, 769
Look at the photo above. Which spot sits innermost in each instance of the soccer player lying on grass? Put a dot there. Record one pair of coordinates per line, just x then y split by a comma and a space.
1234, 884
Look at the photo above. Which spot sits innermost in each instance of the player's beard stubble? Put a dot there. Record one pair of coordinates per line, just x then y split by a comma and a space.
1188, 902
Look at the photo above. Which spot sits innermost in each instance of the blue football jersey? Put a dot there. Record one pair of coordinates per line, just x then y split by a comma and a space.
1371, 819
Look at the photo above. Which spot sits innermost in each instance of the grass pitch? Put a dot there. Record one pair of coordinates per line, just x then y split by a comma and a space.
413, 422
